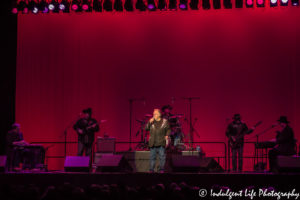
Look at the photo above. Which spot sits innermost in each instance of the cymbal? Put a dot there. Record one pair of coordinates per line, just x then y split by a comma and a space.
176, 116
140, 121
148, 115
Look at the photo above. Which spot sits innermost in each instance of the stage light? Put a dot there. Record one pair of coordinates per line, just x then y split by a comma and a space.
35, 10
140, 5
162, 5
260, 3
86, 5
26, 10
128, 5
172, 4
118, 5
75, 5
205, 4
239, 3
53, 6
216, 4
183, 4
14, 10
295, 2
33, 7
284, 2
227, 4
151, 5
44, 6
64, 6
249, 3
97, 5
107, 5
273, 3
194, 4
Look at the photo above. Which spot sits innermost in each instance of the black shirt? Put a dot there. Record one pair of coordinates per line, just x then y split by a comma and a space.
89, 127
286, 141
13, 136
157, 125
158, 131
237, 129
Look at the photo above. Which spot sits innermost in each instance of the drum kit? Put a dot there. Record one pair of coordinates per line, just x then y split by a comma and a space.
177, 135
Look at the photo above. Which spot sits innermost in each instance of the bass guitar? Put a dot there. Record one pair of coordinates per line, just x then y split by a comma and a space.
236, 140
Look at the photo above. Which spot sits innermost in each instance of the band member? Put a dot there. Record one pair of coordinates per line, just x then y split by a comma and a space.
159, 131
86, 127
235, 133
285, 143
16, 154
176, 134
166, 112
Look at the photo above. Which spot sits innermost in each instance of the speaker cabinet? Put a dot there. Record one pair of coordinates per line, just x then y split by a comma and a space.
2, 163
288, 163
195, 164
112, 163
106, 145
77, 164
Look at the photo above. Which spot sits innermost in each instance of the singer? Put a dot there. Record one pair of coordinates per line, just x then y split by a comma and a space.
159, 132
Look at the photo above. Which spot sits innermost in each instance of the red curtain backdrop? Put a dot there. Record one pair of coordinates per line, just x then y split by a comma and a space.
237, 61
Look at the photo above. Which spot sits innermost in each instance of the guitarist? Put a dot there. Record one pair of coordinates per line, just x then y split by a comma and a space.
86, 127
235, 133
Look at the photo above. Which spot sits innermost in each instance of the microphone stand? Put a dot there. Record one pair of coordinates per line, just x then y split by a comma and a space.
66, 133
257, 139
191, 132
263, 132
131, 100
45, 157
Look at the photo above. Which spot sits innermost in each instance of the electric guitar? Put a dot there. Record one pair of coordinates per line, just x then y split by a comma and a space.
236, 140
84, 131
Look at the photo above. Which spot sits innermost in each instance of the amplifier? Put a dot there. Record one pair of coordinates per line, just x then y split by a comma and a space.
106, 145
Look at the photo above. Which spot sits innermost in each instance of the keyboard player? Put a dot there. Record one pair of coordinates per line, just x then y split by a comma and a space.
285, 143
14, 151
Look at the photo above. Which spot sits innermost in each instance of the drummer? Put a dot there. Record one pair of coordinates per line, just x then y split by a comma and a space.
166, 112
176, 131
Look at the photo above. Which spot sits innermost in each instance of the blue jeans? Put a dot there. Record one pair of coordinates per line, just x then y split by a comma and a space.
162, 157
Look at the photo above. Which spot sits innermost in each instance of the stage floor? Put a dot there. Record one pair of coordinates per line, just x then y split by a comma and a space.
202, 180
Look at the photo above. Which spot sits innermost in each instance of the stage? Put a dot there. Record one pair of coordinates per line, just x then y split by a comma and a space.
201, 180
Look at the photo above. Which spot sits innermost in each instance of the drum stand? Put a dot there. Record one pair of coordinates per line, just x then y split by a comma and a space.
131, 100
143, 142
192, 130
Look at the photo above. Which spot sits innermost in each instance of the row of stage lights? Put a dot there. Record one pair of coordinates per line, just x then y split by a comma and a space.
55, 6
